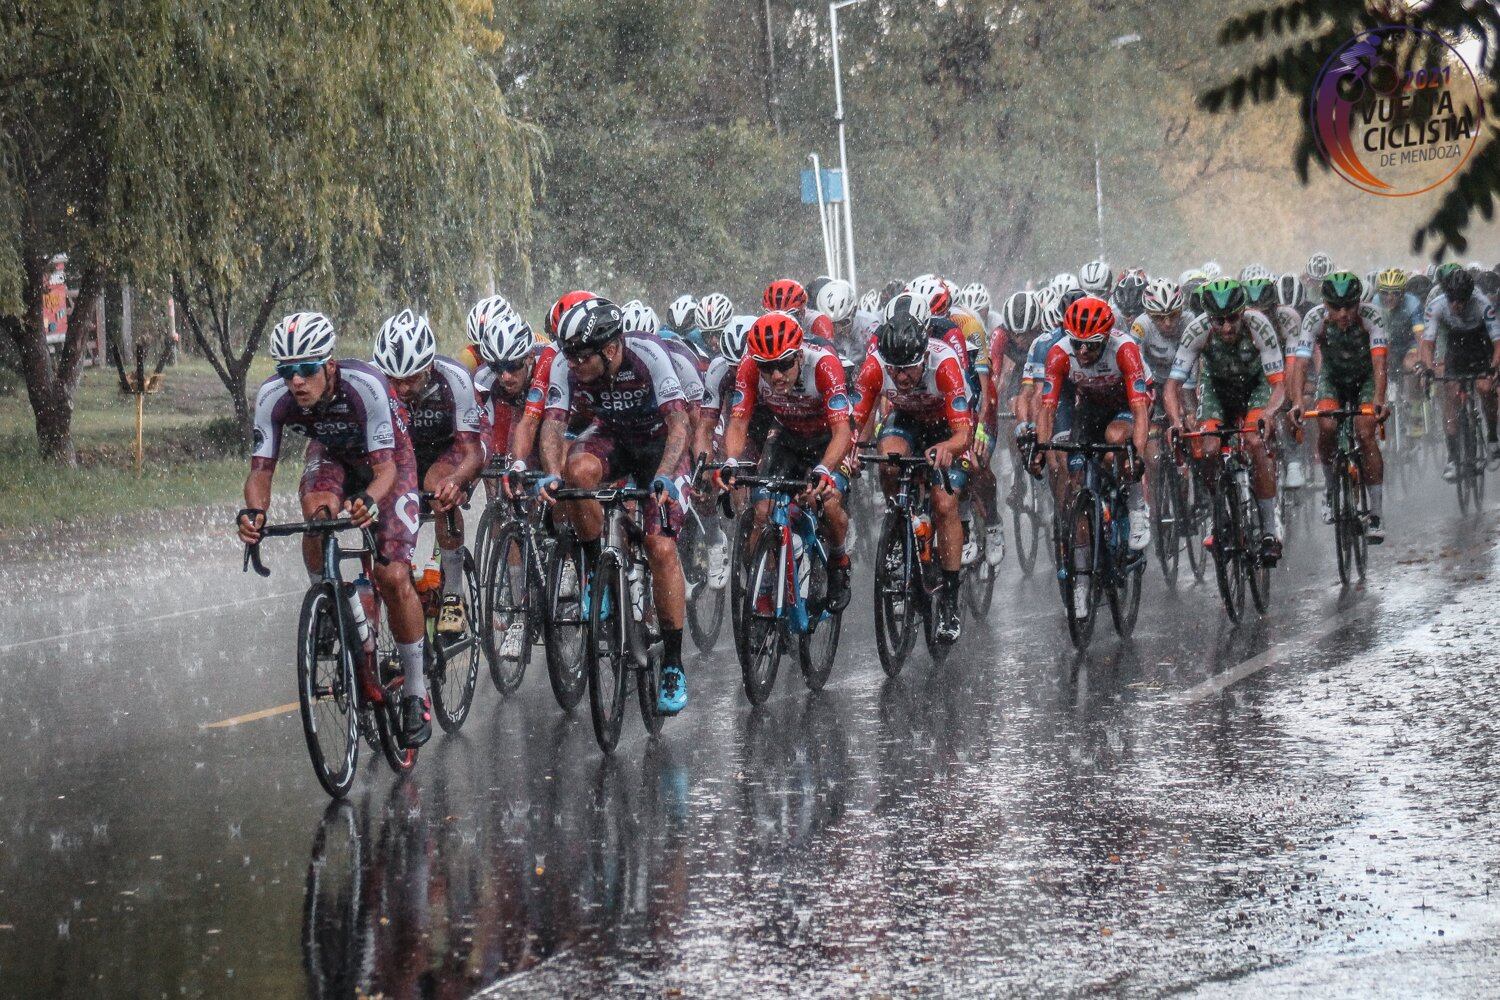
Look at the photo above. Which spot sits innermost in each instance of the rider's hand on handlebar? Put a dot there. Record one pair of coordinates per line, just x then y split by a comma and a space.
824, 485
1297, 414
510, 483
941, 455
447, 495
362, 509
248, 523
666, 490
547, 487
723, 476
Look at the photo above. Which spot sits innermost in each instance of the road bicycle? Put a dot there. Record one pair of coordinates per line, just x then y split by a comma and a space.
705, 571
1472, 460
1237, 525
1350, 500
453, 663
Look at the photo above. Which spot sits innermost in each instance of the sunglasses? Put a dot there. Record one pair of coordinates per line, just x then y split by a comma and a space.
293, 369
783, 364
1229, 320
507, 367
1086, 345
1167, 317
579, 357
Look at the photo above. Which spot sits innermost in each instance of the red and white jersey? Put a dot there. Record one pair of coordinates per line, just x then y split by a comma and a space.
1118, 378
943, 393
502, 412
810, 407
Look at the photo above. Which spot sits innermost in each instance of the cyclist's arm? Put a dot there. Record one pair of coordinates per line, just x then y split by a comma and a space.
679, 424
1137, 392
523, 435
745, 397
268, 401
867, 386
829, 378
553, 444
258, 487
1272, 365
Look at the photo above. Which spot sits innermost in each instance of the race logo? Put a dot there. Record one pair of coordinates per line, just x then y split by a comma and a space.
1396, 111
670, 387
259, 438
554, 395
383, 436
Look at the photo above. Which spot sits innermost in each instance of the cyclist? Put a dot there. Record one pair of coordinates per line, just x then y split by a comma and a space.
493, 305
1348, 335
934, 292
835, 300
718, 389
1240, 386
1158, 330
628, 388
797, 388
512, 385
921, 380
1319, 266
712, 315
1127, 296
1404, 321
1019, 327
1290, 294
1262, 296
1462, 337
1101, 369
787, 295
360, 461
1028, 400
447, 435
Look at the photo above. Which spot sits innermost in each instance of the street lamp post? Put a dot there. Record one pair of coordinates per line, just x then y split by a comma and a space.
838, 116
1119, 42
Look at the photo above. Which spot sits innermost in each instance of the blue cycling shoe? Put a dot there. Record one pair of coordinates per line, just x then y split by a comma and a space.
673, 695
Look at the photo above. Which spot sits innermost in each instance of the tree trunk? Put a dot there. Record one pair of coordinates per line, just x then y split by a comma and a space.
243, 418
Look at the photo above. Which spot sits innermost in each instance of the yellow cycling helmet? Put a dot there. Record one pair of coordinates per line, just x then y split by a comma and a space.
1392, 279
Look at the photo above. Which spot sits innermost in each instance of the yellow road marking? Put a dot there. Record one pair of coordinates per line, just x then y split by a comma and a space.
264, 713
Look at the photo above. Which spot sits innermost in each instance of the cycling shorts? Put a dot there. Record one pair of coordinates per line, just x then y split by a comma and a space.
1332, 393
400, 513
922, 435
791, 457
637, 461
1227, 402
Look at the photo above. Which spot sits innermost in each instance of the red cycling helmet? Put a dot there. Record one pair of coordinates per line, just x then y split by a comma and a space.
784, 295
1089, 319
561, 306
773, 336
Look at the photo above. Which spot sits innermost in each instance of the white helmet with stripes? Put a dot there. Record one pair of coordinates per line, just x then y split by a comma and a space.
507, 337
836, 300
405, 345
303, 336
637, 317
714, 312
483, 309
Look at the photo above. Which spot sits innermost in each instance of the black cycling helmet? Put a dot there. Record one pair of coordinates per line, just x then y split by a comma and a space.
590, 323
1289, 291
1223, 297
1127, 294
892, 288
1343, 288
902, 339
1260, 293
1488, 282
1458, 285
1419, 285
1069, 297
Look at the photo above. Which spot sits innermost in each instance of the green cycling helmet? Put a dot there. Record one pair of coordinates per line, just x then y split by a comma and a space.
1446, 269
1260, 293
1342, 288
1223, 297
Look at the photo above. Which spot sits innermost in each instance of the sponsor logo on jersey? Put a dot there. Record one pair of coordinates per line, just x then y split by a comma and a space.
259, 438
554, 395
471, 415
384, 436
736, 398
838, 402
534, 395
961, 404
670, 386
1140, 386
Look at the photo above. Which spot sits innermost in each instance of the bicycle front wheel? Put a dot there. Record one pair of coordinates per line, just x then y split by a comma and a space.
762, 615
507, 628
817, 646
563, 622
607, 648
1257, 573
325, 692
1078, 554
705, 604
1027, 521
1166, 496
456, 665
896, 598
1228, 534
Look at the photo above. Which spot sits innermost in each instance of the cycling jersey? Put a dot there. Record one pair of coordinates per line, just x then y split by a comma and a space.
1468, 332
718, 384
1403, 324
444, 416
941, 396
360, 423
634, 402
689, 372
502, 413
810, 407
1116, 379
1348, 371
1035, 369
1158, 343
971, 328
1237, 376
1288, 324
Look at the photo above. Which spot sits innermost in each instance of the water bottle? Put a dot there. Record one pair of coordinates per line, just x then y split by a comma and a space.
362, 607
804, 568
431, 576
636, 582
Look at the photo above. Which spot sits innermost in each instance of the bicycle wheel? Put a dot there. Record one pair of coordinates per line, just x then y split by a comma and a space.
646, 659
1079, 556
896, 601
1342, 542
507, 607
817, 646
325, 692
1195, 507
1358, 506
563, 622
737, 557
393, 683
705, 604
979, 579
1027, 522
1467, 453
606, 648
1165, 495
489, 522
1125, 572
456, 666
764, 625
1227, 537
1476, 483
1257, 573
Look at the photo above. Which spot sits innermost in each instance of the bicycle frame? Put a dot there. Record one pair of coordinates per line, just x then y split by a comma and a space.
789, 517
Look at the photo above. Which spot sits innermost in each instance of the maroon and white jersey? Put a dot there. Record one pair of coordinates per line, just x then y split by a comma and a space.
632, 403
446, 412
360, 423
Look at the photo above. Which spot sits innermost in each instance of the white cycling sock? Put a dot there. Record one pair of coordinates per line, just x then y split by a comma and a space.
453, 571
1377, 500
1136, 495
411, 665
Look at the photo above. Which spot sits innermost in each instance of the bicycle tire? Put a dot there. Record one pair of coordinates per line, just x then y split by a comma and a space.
1167, 519
765, 634
563, 625
1466, 454
1126, 570
648, 688
400, 759
507, 601
1476, 483
1227, 535
1359, 507
1196, 509
1027, 522
606, 651
979, 579
818, 646
895, 604
336, 767
1083, 519
743, 523
705, 605
1342, 543
453, 691
490, 519
1258, 574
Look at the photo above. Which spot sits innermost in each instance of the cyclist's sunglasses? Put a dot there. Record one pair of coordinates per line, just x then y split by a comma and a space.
579, 357
1086, 345
292, 369
782, 364
1228, 320
507, 367
1167, 317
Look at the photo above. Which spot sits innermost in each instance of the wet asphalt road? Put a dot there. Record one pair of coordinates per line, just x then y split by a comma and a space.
1301, 805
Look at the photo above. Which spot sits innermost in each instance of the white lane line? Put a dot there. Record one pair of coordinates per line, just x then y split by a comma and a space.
97, 630
1281, 653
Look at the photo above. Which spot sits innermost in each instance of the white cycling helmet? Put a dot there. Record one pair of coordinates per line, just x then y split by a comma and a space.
1065, 282
870, 301
932, 291
303, 336
1289, 290
736, 334
714, 312
911, 303
680, 313
483, 309
1096, 278
1022, 312
507, 337
1190, 276
836, 300
1049, 308
1319, 266
637, 317
1162, 295
405, 345
975, 298
1256, 272
1212, 270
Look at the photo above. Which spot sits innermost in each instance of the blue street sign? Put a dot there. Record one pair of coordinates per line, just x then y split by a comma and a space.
833, 186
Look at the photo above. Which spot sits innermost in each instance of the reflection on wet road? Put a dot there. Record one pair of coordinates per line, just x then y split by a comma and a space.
1304, 803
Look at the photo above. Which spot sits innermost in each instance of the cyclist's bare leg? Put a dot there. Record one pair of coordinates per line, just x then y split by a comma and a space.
1371, 461
316, 506
584, 472
666, 580
393, 580
948, 529
835, 522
